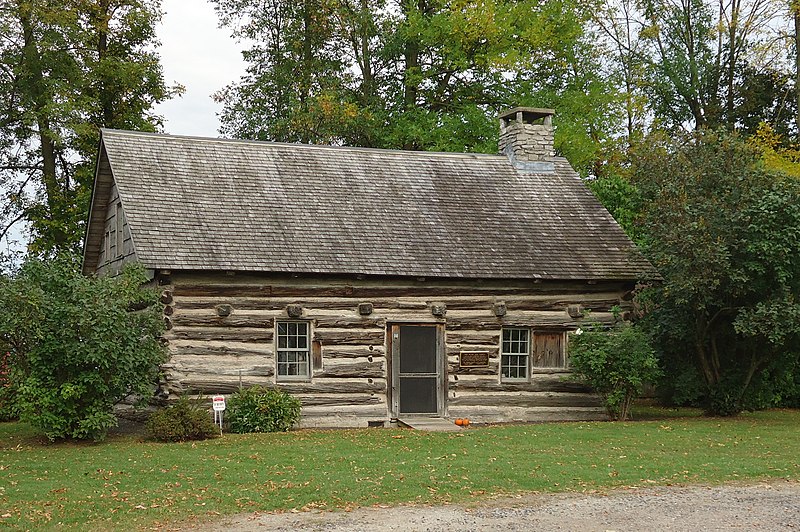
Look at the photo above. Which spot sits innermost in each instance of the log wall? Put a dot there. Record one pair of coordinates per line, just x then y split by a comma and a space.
221, 331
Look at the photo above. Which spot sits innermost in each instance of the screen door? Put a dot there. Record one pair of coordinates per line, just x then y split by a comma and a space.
416, 368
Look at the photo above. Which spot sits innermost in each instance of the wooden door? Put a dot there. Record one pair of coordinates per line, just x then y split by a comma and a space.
416, 369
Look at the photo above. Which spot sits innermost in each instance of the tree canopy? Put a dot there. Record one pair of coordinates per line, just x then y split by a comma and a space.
67, 68
724, 231
78, 345
428, 75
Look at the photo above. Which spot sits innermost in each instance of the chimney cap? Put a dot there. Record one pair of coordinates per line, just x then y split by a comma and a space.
527, 114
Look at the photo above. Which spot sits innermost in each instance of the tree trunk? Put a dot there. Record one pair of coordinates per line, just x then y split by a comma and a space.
796, 16
367, 89
731, 66
101, 16
411, 74
34, 83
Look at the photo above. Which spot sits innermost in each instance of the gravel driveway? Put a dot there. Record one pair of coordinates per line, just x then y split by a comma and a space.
765, 506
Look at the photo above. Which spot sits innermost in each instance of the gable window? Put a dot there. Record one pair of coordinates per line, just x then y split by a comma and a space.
120, 226
292, 350
514, 355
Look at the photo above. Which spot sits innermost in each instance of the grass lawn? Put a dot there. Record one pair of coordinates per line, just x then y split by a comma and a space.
125, 483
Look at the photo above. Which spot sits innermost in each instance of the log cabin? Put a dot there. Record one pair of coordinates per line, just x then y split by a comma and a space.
371, 284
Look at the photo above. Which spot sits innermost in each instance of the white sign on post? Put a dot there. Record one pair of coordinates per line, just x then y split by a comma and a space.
218, 403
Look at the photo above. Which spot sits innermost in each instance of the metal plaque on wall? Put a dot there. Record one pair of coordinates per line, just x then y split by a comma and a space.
473, 359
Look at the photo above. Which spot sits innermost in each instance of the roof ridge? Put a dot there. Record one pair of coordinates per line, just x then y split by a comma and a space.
269, 143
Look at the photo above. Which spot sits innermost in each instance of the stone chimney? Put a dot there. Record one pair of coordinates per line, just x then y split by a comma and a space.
526, 138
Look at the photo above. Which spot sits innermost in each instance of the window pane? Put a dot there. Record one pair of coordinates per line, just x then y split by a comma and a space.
515, 354
292, 349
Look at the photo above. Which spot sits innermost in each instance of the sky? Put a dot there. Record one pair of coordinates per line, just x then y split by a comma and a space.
199, 55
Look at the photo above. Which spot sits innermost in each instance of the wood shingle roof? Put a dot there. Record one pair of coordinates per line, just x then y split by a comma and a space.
212, 204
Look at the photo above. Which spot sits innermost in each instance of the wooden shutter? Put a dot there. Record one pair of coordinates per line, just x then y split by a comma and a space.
548, 350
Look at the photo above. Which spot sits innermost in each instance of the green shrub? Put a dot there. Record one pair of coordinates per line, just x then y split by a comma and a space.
78, 347
261, 409
616, 363
184, 420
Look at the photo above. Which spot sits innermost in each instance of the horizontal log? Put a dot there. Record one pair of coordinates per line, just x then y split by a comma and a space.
216, 351
472, 339
351, 352
213, 385
492, 414
492, 369
367, 337
339, 386
349, 323
554, 321
603, 304
238, 334
475, 324
356, 369
265, 303
234, 320
339, 400
230, 384
272, 303
455, 351
540, 384
526, 400
219, 369
327, 414
233, 290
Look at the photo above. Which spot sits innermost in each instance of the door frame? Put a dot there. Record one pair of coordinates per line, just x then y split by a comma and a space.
393, 351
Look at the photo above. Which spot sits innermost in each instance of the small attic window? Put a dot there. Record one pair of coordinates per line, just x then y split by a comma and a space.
107, 246
120, 227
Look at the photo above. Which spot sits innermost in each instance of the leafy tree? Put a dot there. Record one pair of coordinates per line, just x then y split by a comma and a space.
77, 346
67, 68
424, 74
776, 155
616, 363
724, 232
699, 63
622, 200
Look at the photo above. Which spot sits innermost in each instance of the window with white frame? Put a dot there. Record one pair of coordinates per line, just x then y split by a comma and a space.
293, 350
515, 353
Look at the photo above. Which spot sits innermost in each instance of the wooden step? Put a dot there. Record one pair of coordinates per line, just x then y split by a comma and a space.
430, 424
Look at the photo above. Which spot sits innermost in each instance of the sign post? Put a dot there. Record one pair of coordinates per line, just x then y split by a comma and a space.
218, 402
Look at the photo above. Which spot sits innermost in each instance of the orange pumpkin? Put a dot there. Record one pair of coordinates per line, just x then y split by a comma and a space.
465, 422
459, 421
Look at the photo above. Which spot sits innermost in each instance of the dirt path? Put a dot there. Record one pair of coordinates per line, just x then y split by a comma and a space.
772, 506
